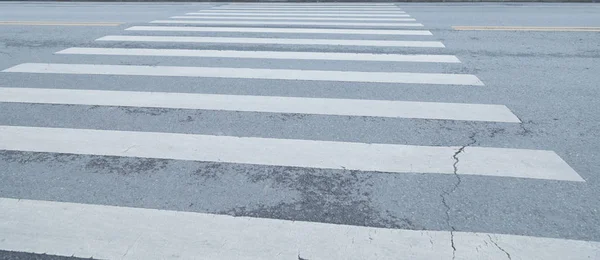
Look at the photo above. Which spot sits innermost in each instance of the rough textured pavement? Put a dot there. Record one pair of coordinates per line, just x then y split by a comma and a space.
549, 80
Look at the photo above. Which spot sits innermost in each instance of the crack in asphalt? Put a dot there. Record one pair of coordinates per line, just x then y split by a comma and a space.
131, 246
454, 187
6, 54
452, 242
501, 249
129, 148
524, 130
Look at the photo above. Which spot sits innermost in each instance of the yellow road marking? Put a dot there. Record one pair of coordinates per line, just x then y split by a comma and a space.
526, 28
57, 23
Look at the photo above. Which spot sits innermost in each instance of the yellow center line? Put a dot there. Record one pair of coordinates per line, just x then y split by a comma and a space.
58, 23
526, 28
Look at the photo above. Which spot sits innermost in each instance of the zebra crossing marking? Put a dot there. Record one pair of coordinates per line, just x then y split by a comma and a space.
310, 4
293, 18
277, 238
388, 11
372, 13
398, 14
309, 9
392, 158
249, 73
270, 104
287, 23
277, 30
340, 56
135, 233
281, 41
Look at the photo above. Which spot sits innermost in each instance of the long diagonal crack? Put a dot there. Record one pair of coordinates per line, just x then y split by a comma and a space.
454, 187
501, 249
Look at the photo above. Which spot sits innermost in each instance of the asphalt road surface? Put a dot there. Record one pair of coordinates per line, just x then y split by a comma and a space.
299, 131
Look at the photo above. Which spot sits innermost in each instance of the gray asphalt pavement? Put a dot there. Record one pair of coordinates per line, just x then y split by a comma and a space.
549, 80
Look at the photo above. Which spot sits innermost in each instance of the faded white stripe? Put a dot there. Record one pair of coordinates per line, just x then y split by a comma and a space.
400, 14
288, 23
308, 8
109, 232
277, 30
190, 39
310, 4
308, 12
318, 106
247, 73
265, 54
485, 161
295, 18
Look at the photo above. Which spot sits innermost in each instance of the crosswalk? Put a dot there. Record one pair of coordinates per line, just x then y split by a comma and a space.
264, 55
290, 23
275, 41
334, 14
142, 231
138, 230
277, 30
296, 18
246, 73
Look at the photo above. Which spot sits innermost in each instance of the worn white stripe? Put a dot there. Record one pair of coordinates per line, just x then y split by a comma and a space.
265, 54
296, 7
272, 5
265, 4
269, 104
295, 18
190, 39
308, 8
485, 161
307, 12
400, 14
310, 4
277, 30
288, 23
109, 232
247, 73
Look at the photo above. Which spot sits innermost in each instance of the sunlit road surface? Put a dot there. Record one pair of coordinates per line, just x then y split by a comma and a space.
299, 131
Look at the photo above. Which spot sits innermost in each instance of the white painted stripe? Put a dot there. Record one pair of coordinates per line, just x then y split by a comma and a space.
484, 161
296, 18
247, 73
277, 30
361, 7
309, 12
315, 6
190, 39
109, 232
295, 7
308, 8
310, 4
265, 54
269, 104
387, 7
400, 14
288, 23
340, 5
